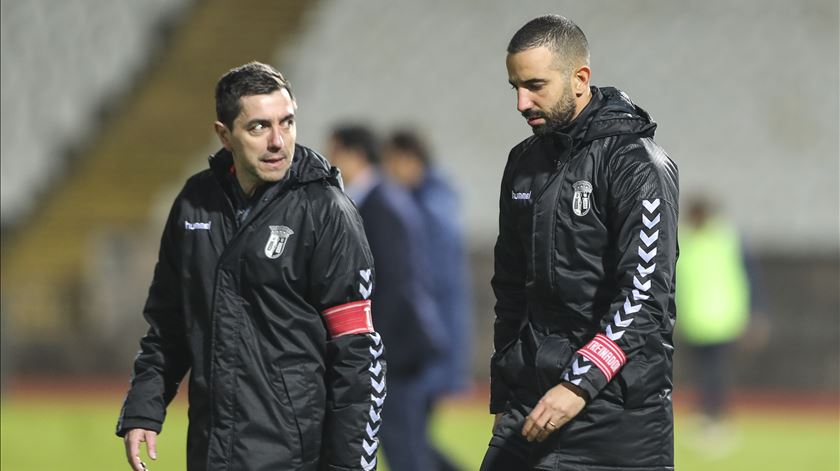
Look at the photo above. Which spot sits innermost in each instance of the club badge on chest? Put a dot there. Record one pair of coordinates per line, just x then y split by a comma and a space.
580, 202
277, 240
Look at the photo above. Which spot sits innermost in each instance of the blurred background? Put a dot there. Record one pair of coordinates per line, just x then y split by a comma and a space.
107, 107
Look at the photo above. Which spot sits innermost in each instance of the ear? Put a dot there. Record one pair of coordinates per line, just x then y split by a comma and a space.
223, 133
580, 80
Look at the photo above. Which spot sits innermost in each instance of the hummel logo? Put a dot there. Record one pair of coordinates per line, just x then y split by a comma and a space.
521, 196
197, 226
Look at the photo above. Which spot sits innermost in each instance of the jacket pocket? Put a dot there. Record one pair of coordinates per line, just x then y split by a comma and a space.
552, 358
515, 366
508, 363
646, 377
306, 394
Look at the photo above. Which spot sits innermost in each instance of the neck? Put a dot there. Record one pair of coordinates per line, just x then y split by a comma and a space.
582, 101
248, 185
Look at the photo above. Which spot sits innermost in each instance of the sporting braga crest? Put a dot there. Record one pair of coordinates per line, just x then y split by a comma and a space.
580, 202
277, 240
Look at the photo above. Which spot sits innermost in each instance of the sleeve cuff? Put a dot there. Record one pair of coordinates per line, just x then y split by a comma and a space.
128, 423
595, 365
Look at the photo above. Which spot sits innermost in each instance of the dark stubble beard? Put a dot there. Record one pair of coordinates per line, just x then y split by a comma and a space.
558, 117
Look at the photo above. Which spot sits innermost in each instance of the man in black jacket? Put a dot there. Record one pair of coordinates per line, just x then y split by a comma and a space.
261, 292
584, 271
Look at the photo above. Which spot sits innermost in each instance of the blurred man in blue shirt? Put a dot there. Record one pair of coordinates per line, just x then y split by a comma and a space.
404, 308
407, 161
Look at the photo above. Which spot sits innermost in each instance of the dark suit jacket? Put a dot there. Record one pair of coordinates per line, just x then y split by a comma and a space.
403, 309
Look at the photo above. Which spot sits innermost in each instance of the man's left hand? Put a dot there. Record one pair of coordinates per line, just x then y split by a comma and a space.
558, 406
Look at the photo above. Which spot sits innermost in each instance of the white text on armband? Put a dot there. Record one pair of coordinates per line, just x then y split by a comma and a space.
605, 354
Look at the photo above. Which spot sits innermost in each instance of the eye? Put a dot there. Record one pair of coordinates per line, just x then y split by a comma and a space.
257, 128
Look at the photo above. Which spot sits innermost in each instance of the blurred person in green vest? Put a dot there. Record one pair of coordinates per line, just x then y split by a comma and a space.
713, 304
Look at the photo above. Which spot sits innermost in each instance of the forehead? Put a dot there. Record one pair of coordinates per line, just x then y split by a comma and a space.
277, 103
531, 63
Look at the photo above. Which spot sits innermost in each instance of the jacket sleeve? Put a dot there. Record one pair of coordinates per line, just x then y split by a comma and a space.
342, 277
643, 218
163, 359
508, 285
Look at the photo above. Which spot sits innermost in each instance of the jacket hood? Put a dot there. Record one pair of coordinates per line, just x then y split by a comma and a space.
308, 166
609, 113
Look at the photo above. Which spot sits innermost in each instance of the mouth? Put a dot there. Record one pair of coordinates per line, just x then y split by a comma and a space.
274, 162
536, 121
534, 118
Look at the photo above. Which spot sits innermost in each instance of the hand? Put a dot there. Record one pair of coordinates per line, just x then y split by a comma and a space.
132, 441
558, 406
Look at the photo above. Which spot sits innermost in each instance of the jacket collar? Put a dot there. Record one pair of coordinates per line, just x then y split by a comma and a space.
609, 113
308, 166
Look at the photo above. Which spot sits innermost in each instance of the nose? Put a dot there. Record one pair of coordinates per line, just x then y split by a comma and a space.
276, 141
523, 100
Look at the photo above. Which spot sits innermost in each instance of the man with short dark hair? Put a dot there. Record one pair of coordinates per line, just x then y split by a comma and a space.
261, 292
406, 160
584, 271
403, 307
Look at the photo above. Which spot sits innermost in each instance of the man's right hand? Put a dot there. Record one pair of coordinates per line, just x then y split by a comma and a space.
132, 441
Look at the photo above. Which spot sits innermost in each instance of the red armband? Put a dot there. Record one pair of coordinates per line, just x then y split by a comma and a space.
605, 354
350, 318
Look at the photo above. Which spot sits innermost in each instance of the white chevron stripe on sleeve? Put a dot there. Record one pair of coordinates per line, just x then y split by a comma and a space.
641, 286
619, 322
647, 256
651, 205
371, 431
650, 223
370, 444
613, 335
378, 401
648, 239
629, 308
370, 447
379, 386
579, 370
645, 271
376, 353
365, 290
368, 465
374, 416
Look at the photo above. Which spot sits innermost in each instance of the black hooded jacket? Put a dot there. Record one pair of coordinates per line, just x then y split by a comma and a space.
241, 305
584, 283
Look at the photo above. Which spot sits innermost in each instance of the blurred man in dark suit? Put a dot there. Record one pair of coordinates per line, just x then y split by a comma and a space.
403, 308
407, 161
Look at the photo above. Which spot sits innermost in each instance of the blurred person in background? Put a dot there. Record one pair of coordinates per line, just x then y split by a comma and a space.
715, 297
407, 161
584, 271
403, 306
261, 291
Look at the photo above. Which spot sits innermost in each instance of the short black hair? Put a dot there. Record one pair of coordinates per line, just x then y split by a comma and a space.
253, 78
359, 138
559, 34
405, 140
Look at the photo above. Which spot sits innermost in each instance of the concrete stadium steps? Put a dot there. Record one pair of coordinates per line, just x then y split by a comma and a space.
145, 148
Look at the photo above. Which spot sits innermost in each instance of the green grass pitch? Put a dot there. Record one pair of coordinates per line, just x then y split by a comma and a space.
47, 434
